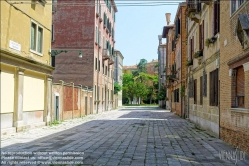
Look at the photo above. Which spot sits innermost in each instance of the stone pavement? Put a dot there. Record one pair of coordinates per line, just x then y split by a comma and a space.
129, 136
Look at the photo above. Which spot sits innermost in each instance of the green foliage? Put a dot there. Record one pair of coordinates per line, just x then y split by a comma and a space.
182, 90
127, 78
140, 84
141, 67
161, 94
117, 88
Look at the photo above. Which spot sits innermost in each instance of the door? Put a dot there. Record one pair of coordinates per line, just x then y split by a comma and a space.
91, 105
57, 108
86, 105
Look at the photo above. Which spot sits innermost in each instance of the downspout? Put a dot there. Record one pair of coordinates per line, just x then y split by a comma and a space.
182, 97
98, 65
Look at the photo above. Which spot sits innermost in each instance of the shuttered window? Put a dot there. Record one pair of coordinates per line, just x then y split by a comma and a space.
192, 47
216, 17
214, 93
201, 90
240, 87
96, 64
204, 84
195, 91
202, 35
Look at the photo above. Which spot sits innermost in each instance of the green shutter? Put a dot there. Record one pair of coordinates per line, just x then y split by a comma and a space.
33, 38
40, 34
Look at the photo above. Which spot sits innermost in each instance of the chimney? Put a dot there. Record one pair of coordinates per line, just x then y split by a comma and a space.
168, 17
160, 39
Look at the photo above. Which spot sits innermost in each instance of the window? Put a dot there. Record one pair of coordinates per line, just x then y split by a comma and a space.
36, 38
98, 93
103, 68
214, 88
195, 91
238, 87
176, 95
52, 39
201, 90
201, 35
95, 89
96, 64
53, 5
99, 65
216, 17
235, 4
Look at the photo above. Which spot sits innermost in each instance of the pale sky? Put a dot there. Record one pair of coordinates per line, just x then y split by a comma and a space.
137, 29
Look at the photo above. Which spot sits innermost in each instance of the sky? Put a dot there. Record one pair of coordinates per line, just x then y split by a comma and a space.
137, 29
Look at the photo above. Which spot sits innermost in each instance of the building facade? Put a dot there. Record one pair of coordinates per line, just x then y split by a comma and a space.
151, 67
129, 69
176, 70
234, 73
203, 63
118, 73
25, 65
168, 33
161, 51
91, 33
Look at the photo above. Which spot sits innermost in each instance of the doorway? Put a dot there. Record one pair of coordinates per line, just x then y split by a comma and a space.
85, 105
57, 108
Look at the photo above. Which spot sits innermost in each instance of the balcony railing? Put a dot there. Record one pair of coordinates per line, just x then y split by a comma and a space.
105, 54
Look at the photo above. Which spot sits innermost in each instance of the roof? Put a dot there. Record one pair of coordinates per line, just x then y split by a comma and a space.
166, 30
114, 6
130, 67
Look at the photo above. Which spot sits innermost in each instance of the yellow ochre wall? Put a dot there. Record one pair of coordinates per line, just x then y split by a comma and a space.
16, 26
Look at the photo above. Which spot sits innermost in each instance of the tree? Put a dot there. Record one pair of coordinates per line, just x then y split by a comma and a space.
127, 78
129, 90
117, 88
141, 67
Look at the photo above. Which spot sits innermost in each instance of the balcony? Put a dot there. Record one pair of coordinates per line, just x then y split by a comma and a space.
171, 77
111, 60
105, 54
193, 10
97, 15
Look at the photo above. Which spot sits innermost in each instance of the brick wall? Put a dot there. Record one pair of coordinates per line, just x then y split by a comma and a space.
72, 101
234, 123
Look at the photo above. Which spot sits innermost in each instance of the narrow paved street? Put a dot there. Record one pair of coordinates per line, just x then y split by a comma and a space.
129, 136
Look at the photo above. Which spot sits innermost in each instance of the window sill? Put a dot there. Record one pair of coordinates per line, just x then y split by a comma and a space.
37, 53
240, 110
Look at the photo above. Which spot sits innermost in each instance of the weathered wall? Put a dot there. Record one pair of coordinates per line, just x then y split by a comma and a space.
71, 101
234, 122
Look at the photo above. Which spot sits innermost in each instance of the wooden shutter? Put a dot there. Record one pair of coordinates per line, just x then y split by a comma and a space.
216, 82
179, 26
204, 83
216, 17
201, 90
195, 91
202, 36
240, 82
193, 43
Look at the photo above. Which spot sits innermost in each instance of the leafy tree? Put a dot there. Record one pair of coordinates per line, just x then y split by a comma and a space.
117, 88
142, 66
127, 78
161, 94
129, 91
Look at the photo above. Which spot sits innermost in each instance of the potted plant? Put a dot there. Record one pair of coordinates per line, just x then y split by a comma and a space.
198, 54
189, 62
210, 41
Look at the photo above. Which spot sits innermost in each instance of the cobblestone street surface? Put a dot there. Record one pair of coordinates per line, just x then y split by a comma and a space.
128, 136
